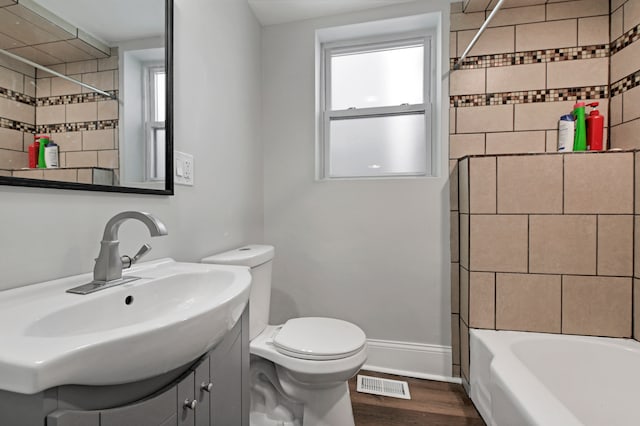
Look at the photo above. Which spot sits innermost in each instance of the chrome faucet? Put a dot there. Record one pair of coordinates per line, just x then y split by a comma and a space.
109, 264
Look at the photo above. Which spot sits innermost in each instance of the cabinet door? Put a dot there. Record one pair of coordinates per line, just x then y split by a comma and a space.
203, 389
226, 372
150, 412
186, 403
73, 418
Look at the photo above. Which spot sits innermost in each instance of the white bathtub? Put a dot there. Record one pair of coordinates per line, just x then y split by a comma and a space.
520, 379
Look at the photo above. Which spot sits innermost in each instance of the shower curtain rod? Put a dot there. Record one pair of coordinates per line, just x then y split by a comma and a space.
478, 34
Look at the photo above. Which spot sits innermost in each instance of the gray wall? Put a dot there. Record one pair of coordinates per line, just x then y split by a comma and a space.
374, 252
52, 233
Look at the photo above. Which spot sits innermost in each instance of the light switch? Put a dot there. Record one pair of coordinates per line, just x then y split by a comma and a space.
184, 170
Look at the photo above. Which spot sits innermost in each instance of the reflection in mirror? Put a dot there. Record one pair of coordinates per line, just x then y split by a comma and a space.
115, 137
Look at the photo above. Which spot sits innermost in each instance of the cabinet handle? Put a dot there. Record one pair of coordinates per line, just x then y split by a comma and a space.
206, 386
190, 404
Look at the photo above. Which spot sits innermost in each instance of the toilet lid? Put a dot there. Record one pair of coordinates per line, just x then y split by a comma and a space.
319, 338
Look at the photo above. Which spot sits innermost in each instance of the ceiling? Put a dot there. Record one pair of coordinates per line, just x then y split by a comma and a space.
272, 12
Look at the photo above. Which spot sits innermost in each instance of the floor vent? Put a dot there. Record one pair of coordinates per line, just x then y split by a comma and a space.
384, 387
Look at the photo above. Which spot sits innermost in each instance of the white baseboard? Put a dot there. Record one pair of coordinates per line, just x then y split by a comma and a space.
419, 360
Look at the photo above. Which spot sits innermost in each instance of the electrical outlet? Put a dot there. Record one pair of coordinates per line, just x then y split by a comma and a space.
183, 168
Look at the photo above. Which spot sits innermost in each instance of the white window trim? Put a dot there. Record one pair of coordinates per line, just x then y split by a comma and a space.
151, 126
374, 43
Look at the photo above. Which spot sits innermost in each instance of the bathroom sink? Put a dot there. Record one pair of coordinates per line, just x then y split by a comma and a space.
169, 317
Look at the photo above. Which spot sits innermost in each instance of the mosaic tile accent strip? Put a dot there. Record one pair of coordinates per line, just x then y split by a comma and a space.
77, 127
625, 39
18, 97
533, 57
627, 83
74, 99
530, 96
16, 125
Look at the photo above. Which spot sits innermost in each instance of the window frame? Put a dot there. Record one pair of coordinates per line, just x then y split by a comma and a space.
151, 126
370, 44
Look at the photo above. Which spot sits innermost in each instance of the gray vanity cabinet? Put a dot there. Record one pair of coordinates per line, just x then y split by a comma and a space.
217, 383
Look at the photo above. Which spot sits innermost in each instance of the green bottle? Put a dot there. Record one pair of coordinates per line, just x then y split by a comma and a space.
41, 161
580, 138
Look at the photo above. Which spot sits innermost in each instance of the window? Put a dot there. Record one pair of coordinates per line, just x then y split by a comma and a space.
376, 109
155, 77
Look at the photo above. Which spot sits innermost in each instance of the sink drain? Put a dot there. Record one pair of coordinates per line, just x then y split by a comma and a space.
128, 300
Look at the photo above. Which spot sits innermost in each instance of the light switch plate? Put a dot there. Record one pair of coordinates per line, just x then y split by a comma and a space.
183, 169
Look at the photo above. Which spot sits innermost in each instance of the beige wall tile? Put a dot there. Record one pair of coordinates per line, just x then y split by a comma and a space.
464, 350
520, 15
108, 159
470, 144
596, 306
452, 120
615, 4
636, 243
637, 186
516, 3
110, 63
28, 174
50, 114
5, 173
594, 30
630, 104
82, 159
85, 176
498, 243
547, 35
62, 159
43, 87
498, 118
625, 62
455, 237
580, 73
482, 185
68, 141
540, 116
453, 45
636, 313
615, 245
82, 67
455, 371
631, 14
516, 78
626, 135
11, 80
61, 175
466, 21
456, 7
464, 294
527, 302
453, 184
61, 68
108, 110
61, 87
98, 139
463, 185
464, 240
615, 109
493, 40
30, 86
482, 296
562, 244
13, 159
530, 184
616, 25
577, 9
467, 82
455, 339
455, 288
79, 113
11, 139
103, 80
515, 142
598, 183
476, 5
17, 111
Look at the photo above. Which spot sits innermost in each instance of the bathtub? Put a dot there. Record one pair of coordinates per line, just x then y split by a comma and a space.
520, 379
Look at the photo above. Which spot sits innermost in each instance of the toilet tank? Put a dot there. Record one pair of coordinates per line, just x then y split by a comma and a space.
259, 258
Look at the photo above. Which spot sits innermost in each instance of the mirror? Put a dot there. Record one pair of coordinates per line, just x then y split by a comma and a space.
86, 95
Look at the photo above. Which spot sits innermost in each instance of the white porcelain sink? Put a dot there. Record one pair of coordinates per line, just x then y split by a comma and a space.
172, 315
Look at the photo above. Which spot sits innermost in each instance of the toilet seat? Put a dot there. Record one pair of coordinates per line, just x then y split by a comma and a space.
319, 339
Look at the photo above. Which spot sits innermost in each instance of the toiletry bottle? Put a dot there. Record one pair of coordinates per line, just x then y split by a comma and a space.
566, 133
33, 155
41, 160
51, 155
595, 129
580, 139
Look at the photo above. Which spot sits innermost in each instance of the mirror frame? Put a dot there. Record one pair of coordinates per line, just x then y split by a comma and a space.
169, 186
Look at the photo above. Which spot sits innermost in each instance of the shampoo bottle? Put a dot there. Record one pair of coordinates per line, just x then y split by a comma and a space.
566, 133
51, 155
41, 157
595, 129
580, 140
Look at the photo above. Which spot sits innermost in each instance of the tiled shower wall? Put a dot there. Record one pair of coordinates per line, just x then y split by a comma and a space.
84, 124
527, 69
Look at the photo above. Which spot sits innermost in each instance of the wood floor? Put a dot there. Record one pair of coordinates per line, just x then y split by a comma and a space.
432, 403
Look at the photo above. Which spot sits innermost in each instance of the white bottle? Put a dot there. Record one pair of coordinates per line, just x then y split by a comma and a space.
566, 132
51, 156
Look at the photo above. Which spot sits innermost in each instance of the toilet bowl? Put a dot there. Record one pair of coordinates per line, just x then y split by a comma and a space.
299, 369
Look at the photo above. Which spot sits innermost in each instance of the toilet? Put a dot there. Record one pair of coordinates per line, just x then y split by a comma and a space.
300, 369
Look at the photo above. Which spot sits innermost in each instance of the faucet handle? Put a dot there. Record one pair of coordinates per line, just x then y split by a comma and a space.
128, 261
